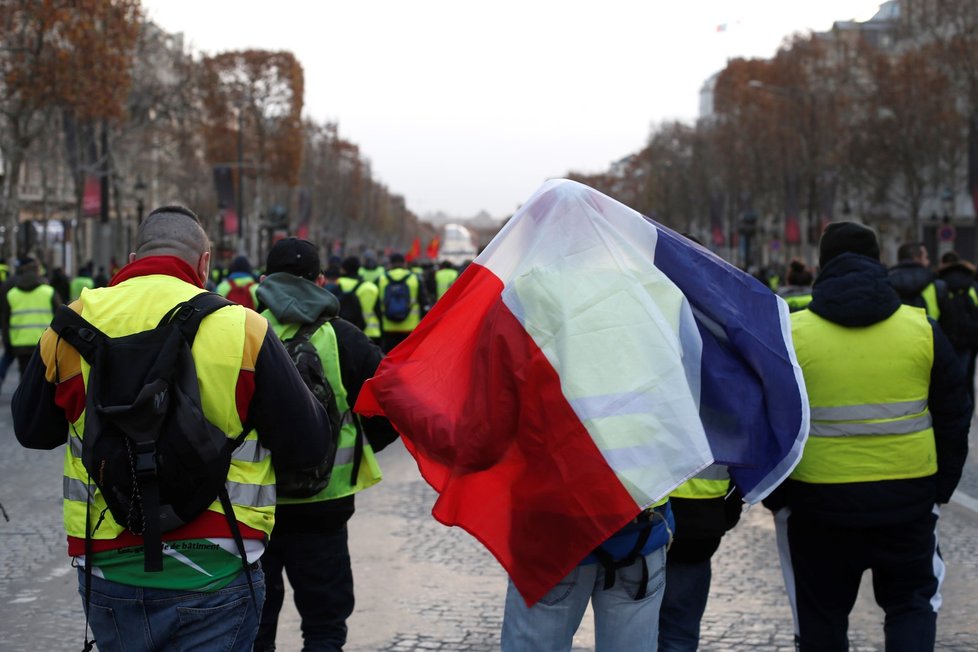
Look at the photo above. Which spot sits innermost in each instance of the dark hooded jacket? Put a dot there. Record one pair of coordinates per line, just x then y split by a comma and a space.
295, 300
960, 322
910, 279
854, 291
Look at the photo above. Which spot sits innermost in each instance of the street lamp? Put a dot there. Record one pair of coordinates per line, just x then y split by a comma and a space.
139, 189
748, 228
947, 201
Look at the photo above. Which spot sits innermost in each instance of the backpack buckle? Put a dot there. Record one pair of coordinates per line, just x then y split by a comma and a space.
184, 313
145, 463
86, 334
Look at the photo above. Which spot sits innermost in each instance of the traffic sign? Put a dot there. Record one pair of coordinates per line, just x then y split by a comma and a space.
946, 233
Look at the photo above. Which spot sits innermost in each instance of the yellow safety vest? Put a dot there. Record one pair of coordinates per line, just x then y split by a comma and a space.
798, 302
30, 313
868, 390
367, 295
340, 482
443, 280
78, 284
413, 283
139, 304
929, 295
711, 482
371, 274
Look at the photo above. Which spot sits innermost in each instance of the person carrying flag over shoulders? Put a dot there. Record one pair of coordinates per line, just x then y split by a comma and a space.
586, 364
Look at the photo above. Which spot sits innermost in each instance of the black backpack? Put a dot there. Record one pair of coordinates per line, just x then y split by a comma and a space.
959, 319
397, 299
350, 308
147, 445
309, 482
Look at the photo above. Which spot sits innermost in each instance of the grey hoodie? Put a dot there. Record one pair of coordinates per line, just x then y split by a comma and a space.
295, 300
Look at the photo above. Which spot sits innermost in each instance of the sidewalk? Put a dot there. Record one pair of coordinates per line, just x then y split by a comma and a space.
422, 586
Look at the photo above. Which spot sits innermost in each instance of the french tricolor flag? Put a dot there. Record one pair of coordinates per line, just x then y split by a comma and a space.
587, 363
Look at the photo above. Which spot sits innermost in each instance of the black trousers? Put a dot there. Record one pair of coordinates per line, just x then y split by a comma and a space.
318, 567
828, 563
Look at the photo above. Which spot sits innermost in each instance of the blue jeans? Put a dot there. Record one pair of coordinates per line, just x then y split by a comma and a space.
132, 619
687, 590
620, 621
319, 571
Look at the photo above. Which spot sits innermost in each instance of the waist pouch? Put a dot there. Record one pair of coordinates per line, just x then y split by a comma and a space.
651, 530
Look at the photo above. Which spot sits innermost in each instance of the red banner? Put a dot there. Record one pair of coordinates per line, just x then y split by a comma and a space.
230, 219
92, 197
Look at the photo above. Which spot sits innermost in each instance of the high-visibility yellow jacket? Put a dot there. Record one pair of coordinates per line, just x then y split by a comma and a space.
414, 285
341, 482
868, 390
30, 313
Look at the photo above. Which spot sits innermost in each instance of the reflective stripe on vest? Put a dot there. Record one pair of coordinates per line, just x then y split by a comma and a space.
711, 482
340, 481
868, 391
30, 313
217, 352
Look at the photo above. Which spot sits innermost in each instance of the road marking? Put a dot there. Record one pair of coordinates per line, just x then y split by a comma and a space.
964, 500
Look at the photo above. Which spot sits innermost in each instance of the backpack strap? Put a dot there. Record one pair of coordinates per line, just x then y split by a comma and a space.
77, 331
611, 565
306, 330
191, 313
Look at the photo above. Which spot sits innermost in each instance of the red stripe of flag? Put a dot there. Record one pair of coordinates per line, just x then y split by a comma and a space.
493, 408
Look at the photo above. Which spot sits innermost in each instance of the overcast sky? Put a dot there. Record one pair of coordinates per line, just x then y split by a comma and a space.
464, 106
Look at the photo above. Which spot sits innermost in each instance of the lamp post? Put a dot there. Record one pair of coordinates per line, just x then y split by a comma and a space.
947, 202
748, 228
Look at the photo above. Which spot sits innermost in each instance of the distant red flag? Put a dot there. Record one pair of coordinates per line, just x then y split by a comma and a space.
433, 247
414, 251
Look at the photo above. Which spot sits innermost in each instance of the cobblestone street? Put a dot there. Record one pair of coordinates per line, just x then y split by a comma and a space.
421, 586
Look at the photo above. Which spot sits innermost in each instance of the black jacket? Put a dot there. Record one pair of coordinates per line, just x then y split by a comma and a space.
910, 279
854, 291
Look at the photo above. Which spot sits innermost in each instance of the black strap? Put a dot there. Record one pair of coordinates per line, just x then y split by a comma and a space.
306, 330
77, 331
611, 565
191, 313
89, 644
239, 542
149, 491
